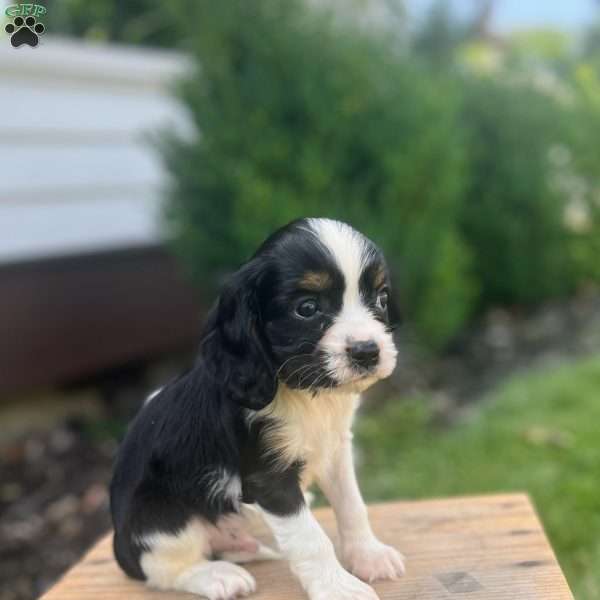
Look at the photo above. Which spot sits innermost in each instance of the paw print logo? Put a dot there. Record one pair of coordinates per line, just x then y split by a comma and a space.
24, 31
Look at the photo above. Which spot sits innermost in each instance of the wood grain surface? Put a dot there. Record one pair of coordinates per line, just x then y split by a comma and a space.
480, 548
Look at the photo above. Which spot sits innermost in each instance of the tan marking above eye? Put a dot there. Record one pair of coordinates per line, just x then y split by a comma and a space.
315, 280
379, 277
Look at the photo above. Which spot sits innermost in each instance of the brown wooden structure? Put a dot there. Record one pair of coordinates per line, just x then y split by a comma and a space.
481, 548
66, 318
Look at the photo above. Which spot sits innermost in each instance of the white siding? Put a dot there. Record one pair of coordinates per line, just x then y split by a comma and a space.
77, 170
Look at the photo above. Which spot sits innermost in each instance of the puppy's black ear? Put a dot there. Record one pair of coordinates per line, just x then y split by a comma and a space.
236, 347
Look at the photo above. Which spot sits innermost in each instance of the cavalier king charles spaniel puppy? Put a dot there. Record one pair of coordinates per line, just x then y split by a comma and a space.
296, 335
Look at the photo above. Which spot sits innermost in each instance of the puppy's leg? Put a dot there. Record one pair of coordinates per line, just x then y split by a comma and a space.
362, 553
230, 541
312, 558
179, 562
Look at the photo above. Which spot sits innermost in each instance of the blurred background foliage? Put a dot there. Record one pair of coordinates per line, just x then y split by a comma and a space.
471, 159
322, 119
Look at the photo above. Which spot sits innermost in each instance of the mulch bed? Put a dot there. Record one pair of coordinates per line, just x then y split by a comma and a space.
53, 506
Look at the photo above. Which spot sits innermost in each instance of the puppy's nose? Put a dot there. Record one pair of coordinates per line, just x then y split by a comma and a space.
364, 354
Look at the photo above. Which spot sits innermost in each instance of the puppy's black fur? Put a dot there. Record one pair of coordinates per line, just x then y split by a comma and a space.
198, 428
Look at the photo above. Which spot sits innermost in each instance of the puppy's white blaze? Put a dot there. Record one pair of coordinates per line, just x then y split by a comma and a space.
348, 247
222, 483
355, 322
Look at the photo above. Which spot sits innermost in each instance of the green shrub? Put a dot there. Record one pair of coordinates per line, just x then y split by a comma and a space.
143, 22
301, 114
450, 171
513, 213
580, 171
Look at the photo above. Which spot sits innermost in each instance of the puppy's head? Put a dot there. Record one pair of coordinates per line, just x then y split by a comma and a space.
311, 309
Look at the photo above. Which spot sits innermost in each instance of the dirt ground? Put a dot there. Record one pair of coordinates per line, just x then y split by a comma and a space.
53, 505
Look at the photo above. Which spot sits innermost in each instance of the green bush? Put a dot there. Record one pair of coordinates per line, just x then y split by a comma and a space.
451, 171
580, 171
143, 22
513, 214
301, 114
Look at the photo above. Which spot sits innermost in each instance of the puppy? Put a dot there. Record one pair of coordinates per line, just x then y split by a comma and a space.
296, 335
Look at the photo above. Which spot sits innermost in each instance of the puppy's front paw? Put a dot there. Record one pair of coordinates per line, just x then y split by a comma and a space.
372, 560
342, 586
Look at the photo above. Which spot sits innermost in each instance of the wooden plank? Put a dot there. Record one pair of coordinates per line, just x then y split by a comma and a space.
481, 548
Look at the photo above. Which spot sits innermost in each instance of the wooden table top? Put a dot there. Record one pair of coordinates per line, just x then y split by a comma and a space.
474, 548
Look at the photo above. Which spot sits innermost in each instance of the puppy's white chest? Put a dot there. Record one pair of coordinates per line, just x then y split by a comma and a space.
318, 452
310, 428
318, 440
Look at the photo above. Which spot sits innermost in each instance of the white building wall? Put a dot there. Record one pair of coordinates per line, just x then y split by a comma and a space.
77, 170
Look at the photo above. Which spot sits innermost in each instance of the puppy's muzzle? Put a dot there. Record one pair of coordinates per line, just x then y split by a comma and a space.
363, 354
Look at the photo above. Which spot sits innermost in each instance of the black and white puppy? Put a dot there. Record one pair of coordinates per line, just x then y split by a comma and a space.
296, 335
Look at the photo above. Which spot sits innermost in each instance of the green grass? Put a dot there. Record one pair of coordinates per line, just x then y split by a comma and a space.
540, 432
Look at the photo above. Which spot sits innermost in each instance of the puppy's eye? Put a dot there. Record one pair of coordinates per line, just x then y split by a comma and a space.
382, 300
307, 308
